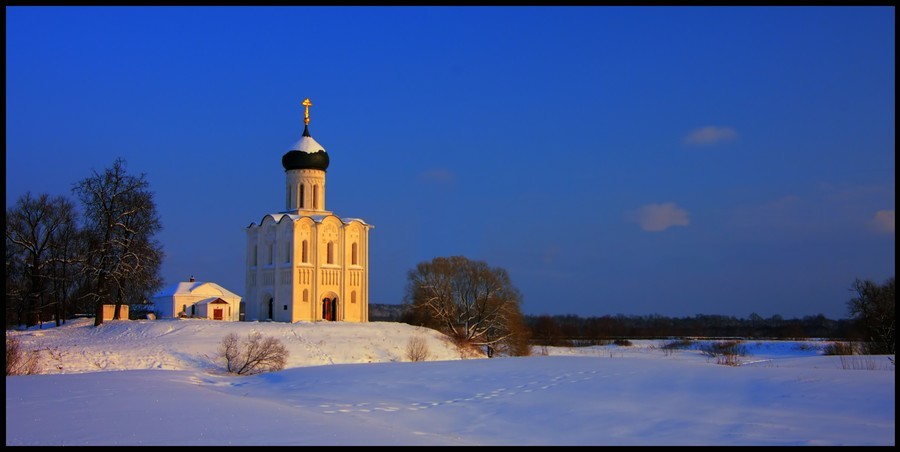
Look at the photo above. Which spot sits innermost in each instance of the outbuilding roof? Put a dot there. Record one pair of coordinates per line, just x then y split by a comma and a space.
196, 288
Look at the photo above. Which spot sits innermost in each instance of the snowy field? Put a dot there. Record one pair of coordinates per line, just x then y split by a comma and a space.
159, 382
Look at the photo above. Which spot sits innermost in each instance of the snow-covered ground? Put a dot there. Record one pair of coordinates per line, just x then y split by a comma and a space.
161, 383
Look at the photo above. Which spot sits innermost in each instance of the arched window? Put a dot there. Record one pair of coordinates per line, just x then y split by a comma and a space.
353, 297
254, 262
354, 252
287, 252
270, 254
300, 196
304, 252
315, 197
305, 295
330, 255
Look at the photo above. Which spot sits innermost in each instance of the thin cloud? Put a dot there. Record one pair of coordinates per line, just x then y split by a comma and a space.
659, 217
710, 135
884, 221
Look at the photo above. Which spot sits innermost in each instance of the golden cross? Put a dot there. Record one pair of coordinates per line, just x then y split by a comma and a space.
306, 103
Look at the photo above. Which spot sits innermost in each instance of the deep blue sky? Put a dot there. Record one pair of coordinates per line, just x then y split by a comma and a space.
615, 160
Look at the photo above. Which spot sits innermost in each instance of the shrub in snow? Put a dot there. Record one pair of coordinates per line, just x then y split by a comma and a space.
257, 355
18, 361
417, 349
725, 352
670, 347
838, 348
678, 344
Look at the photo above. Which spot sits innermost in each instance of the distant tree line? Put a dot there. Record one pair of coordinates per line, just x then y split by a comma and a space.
61, 262
568, 330
871, 322
571, 329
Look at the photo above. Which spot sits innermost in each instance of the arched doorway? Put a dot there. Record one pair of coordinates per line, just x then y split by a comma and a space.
271, 305
330, 309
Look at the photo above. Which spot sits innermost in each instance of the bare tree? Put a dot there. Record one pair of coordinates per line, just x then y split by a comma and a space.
259, 354
468, 300
122, 259
519, 341
35, 236
65, 258
15, 284
874, 308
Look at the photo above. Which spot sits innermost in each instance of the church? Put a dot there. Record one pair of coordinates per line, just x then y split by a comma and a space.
306, 263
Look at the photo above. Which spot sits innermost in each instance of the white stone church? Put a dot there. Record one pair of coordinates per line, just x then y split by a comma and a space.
306, 263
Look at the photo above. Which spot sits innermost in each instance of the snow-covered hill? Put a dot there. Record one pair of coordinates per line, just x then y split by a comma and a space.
181, 344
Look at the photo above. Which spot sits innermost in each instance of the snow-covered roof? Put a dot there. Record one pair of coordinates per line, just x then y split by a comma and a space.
196, 288
351, 220
308, 145
277, 217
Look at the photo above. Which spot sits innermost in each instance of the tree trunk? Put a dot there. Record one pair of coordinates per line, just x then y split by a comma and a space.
98, 306
98, 313
118, 306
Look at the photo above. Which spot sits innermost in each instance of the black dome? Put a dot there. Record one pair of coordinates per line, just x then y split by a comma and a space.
307, 154
305, 160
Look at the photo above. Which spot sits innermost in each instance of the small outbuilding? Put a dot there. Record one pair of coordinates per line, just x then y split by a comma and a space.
109, 311
194, 299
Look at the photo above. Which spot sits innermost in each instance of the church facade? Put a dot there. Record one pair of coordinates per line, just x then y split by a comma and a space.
306, 263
